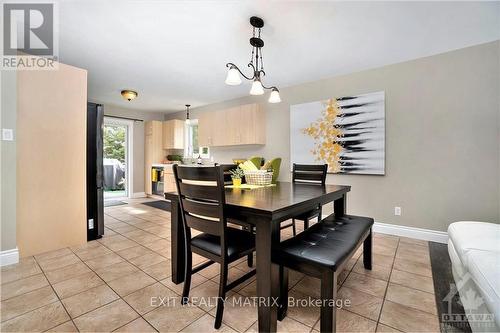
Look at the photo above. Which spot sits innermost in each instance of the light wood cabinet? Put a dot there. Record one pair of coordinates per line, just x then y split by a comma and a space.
153, 149
205, 126
169, 180
173, 134
241, 125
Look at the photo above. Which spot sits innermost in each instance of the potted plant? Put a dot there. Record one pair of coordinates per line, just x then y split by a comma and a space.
236, 175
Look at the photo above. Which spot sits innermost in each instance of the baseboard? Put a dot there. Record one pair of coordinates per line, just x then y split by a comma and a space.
9, 257
418, 233
138, 195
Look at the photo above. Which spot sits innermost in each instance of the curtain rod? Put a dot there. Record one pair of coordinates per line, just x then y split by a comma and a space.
118, 117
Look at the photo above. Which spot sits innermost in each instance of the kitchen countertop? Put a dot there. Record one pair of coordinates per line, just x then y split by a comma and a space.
169, 165
160, 165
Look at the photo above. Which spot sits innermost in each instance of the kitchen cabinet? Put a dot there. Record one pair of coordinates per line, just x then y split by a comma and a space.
241, 125
213, 129
173, 134
153, 149
169, 179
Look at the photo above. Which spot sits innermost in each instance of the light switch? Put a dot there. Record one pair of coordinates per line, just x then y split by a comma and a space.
7, 134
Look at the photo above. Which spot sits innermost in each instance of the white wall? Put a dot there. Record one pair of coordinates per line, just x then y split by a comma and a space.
8, 119
442, 137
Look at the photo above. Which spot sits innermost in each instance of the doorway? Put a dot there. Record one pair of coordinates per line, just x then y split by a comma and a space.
117, 158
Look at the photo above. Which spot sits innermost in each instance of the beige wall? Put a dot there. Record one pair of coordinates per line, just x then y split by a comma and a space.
51, 159
138, 139
8, 162
442, 137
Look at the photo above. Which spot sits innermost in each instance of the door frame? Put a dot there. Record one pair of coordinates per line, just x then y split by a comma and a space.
129, 151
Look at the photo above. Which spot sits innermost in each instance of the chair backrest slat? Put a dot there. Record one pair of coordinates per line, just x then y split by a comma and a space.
190, 190
203, 208
310, 167
203, 225
309, 173
197, 173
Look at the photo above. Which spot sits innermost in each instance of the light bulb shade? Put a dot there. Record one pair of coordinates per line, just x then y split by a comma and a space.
275, 96
257, 88
129, 94
233, 77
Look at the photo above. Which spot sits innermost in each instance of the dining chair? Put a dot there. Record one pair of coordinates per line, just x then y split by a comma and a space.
226, 168
276, 166
202, 200
257, 161
307, 174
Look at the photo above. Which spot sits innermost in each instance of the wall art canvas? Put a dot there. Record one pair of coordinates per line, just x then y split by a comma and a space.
348, 133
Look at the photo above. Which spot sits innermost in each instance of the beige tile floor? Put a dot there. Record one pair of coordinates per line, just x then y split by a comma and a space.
115, 284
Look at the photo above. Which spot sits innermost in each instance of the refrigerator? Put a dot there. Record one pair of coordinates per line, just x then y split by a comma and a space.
95, 195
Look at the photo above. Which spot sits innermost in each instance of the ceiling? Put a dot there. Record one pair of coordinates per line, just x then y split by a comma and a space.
174, 52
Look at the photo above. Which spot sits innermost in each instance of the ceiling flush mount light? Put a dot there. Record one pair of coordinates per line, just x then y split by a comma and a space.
233, 75
129, 94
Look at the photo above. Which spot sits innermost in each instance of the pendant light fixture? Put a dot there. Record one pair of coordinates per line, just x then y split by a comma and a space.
188, 121
233, 75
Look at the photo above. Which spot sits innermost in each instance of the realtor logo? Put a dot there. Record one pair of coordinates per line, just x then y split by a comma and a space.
474, 315
29, 36
28, 28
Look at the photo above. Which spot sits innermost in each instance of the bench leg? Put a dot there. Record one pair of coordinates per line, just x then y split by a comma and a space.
283, 299
328, 297
250, 260
367, 251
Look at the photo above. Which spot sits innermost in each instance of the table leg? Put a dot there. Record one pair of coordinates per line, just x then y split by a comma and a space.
340, 206
178, 261
267, 275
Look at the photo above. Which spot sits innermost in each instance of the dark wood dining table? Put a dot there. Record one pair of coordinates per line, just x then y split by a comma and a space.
264, 208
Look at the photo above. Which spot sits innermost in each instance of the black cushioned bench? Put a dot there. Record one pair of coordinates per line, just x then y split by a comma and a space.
322, 251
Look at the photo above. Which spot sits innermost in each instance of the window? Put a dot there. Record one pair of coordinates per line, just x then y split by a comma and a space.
192, 148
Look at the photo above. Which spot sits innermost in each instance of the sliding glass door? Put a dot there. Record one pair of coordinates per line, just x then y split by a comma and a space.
116, 158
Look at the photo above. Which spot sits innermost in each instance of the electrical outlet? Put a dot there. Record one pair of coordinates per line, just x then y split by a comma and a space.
7, 134
91, 223
397, 211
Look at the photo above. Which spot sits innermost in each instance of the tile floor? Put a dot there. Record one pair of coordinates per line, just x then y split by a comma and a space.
118, 283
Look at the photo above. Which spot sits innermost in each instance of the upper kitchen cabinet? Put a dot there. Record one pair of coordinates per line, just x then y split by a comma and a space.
173, 134
213, 128
241, 125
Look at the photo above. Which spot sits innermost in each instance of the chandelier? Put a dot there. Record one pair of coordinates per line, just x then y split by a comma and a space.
233, 75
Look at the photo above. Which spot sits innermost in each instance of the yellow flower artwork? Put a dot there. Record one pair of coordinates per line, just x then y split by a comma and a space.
347, 133
325, 134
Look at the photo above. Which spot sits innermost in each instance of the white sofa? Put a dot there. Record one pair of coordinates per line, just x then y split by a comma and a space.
474, 249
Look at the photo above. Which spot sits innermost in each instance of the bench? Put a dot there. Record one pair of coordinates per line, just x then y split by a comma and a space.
322, 251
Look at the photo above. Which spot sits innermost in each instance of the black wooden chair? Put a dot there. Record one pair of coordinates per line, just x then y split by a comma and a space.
322, 252
307, 174
202, 199
226, 168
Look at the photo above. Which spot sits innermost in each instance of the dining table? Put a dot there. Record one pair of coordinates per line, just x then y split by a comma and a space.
264, 208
